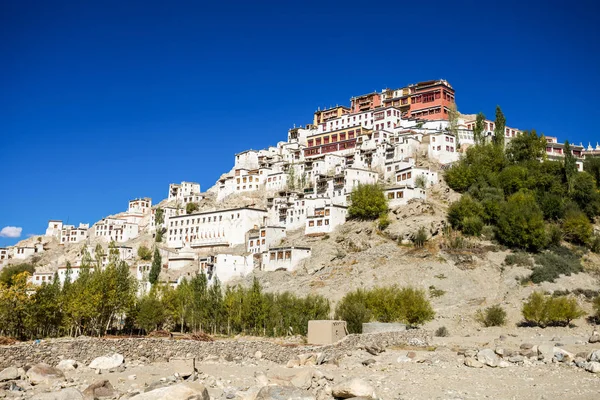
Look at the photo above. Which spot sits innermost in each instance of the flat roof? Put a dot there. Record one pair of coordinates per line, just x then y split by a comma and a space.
289, 248
220, 211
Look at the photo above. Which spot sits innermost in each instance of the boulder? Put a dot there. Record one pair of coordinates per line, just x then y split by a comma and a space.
488, 357
473, 363
107, 362
562, 355
9, 374
64, 394
594, 356
187, 390
283, 393
67, 365
595, 338
545, 352
303, 379
99, 390
354, 387
593, 367
43, 373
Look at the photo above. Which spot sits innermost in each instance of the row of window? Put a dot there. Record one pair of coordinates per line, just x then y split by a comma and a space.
320, 222
204, 219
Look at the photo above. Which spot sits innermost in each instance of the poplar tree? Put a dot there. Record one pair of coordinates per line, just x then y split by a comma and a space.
570, 165
500, 128
479, 128
156, 266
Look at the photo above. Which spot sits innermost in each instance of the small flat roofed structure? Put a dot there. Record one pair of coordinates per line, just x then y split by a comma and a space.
326, 331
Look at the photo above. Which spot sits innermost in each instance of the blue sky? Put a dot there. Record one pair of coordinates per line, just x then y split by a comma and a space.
101, 102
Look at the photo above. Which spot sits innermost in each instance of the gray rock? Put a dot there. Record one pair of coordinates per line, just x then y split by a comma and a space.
100, 389
526, 346
67, 365
368, 362
9, 374
488, 357
283, 393
187, 390
595, 338
355, 387
43, 373
562, 355
594, 356
516, 359
107, 362
473, 363
593, 367
64, 394
303, 379
545, 352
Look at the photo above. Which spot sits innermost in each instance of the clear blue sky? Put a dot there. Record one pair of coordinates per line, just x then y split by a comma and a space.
105, 101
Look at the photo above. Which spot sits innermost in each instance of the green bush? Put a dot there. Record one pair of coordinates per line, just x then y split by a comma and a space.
144, 253
383, 222
555, 234
577, 228
553, 263
442, 331
384, 304
353, 309
491, 316
544, 310
368, 202
466, 215
595, 244
191, 207
420, 237
518, 259
521, 223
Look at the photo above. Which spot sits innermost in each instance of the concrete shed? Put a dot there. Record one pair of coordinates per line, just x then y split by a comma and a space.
326, 331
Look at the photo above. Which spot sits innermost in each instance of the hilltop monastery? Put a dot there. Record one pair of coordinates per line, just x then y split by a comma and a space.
399, 138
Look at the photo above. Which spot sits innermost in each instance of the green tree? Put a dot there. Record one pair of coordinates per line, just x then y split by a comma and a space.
368, 202
521, 223
585, 194
479, 128
526, 146
156, 267
14, 303
151, 312
577, 228
466, 215
570, 165
191, 207
500, 128
591, 165
353, 309
159, 216
10, 271
144, 253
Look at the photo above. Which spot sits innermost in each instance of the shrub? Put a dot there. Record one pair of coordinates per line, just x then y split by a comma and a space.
519, 259
551, 264
577, 228
13, 270
384, 304
383, 222
420, 238
421, 182
488, 232
555, 235
435, 292
547, 310
353, 309
144, 253
466, 215
595, 244
368, 202
442, 331
521, 223
597, 306
191, 207
491, 316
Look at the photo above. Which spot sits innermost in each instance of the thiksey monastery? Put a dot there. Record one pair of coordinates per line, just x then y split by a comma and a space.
399, 138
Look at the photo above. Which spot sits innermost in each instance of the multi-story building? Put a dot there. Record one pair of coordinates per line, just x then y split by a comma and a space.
140, 206
54, 228
591, 151
116, 229
39, 278
322, 116
222, 228
556, 151
71, 234
226, 266
287, 258
429, 100
185, 192
400, 195
261, 239
325, 219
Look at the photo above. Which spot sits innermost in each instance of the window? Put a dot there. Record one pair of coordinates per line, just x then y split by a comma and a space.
326, 222
272, 256
391, 195
251, 243
320, 222
311, 223
399, 195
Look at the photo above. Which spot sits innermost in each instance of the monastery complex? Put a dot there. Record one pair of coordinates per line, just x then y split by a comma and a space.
399, 138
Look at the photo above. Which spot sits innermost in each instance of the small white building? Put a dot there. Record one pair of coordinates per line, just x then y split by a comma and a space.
325, 219
5, 254
39, 278
71, 234
287, 258
75, 272
184, 192
261, 239
23, 252
400, 195
226, 266
443, 148
116, 229
54, 228
140, 206
410, 177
